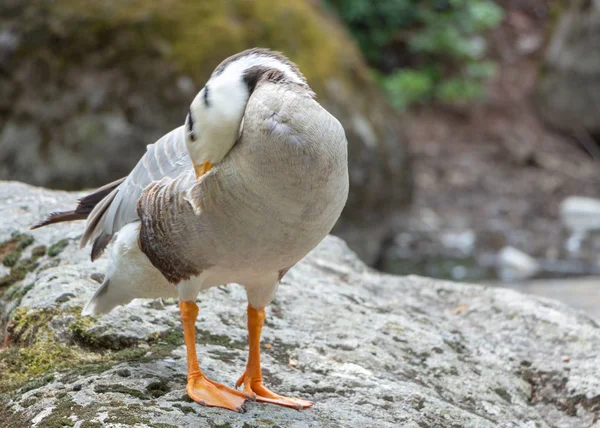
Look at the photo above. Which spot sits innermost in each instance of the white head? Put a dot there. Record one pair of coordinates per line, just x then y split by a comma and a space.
215, 117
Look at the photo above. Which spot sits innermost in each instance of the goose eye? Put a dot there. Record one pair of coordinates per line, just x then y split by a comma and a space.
192, 135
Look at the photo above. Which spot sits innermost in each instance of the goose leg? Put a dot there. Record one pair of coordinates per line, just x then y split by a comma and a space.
200, 388
252, 377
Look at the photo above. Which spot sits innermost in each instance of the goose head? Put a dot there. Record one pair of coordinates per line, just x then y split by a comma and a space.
215, 117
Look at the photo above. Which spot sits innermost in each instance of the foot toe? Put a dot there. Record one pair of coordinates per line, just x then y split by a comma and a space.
205, 393
293, 403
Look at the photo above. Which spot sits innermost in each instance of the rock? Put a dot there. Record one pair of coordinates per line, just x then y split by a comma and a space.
580, 214
514, 264
568, 91
86, 86
369, 349
580, 292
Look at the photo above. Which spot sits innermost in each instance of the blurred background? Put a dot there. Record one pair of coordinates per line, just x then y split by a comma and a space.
473, 125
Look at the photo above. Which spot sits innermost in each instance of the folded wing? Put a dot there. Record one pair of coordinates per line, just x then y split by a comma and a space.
168, 157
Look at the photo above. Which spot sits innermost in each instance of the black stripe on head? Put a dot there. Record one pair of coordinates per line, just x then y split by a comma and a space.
260, 52
190, 121
258, 73
206, 101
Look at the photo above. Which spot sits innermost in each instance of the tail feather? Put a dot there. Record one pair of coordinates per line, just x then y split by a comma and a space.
94, 221
88, 202
99, 245
59, 217
84, 207
102, 198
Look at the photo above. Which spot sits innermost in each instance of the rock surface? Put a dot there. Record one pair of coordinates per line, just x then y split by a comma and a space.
369, 349
85, 86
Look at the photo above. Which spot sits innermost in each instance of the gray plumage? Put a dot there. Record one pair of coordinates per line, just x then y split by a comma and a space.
168, 157
278, 192
278, 185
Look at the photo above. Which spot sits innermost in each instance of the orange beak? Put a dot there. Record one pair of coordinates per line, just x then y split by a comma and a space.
202, 169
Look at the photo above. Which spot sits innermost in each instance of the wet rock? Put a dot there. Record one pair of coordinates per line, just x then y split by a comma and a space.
369, 349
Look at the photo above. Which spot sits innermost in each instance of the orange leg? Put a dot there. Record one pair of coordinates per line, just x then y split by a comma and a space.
200, 388
252, 377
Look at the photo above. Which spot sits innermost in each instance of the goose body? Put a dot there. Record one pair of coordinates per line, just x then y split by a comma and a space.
250, 218
252, 182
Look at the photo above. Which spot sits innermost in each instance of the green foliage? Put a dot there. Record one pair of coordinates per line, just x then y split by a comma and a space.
407, 86
426, 50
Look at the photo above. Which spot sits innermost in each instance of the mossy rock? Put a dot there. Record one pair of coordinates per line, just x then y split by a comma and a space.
85, 86
369, 349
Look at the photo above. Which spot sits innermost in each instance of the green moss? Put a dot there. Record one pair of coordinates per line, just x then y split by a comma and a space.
22, 268
184, 409
57, 248
24, 241
88, 369
173, 337
129, 354
11, 259
158, 388
34, 350
10, 250
195, 36
17, 292
90, 424
29, 402
20, 364
126, 416
100, 389
79, 330
65, 408
38, 251
25, 323
205, 337
10, 255
37, 383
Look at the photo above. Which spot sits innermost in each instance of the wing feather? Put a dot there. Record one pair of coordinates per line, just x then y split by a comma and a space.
168, 157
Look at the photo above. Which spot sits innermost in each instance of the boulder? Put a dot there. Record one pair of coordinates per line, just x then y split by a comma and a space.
567, 93
370, 349
85, 86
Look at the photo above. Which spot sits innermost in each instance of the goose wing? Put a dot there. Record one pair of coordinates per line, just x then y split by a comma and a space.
168, 157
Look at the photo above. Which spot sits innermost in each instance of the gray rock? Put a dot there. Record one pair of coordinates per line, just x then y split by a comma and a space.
568, 91
369, 349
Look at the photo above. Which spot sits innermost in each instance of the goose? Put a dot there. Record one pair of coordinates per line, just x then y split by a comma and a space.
255, 178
